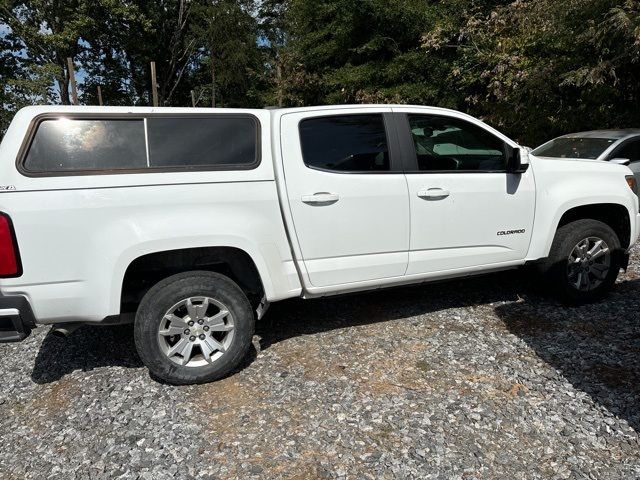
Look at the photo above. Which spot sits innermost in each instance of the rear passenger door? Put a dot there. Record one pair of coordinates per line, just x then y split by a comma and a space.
347, 195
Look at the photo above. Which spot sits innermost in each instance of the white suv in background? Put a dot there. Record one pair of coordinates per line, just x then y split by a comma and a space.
616, 146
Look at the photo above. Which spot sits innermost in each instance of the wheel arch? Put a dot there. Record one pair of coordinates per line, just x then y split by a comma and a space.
612, 213
144, 270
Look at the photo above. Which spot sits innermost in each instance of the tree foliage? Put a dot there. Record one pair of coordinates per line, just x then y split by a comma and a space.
538, 68
533, 68
228, 55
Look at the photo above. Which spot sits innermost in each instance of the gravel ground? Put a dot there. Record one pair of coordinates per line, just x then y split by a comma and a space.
482, 378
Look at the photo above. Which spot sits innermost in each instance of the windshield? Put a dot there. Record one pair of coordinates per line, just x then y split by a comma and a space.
574, 147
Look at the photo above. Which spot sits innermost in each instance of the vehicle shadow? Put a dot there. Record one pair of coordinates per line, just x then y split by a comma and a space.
86, 349
595, 347
304, 317
92, 347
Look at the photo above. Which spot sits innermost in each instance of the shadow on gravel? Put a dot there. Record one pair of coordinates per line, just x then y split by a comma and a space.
92, 347
595, 347
293, 318
85, 349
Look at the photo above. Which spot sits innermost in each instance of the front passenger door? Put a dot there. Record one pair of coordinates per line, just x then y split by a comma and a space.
466, 210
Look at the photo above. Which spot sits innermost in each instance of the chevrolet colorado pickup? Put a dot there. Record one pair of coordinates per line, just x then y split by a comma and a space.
189, 222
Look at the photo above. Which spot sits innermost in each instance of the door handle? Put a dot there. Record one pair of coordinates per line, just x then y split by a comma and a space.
321, 198
433, 193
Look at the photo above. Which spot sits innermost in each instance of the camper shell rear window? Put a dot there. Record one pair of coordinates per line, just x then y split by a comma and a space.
68, 145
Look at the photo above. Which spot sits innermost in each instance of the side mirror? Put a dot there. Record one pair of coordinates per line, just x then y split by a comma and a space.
514, 160
620, 161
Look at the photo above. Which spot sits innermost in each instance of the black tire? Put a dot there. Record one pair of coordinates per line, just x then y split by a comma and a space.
170, 291
555, 267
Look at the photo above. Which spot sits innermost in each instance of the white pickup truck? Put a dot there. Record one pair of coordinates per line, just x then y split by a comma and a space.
191, 221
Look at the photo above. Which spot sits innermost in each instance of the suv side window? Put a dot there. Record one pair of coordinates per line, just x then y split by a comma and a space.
631, 151
345, 143
66, 145
449, 144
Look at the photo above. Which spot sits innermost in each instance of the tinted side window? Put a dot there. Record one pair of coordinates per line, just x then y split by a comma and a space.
198, 142
345, 143
449, 144
631, 151
67, 144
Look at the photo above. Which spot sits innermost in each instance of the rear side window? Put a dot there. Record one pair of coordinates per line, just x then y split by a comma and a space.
61, 145
202, 142
345, 143
83, 145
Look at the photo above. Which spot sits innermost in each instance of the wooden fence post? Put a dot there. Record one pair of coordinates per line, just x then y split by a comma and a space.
72, 81
154, 84
99, 96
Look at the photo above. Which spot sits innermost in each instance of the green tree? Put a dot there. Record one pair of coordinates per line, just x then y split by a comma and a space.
272, 41
42, 34
375, 51
539, 68
115, 54
533, 68
131, 36
226, 34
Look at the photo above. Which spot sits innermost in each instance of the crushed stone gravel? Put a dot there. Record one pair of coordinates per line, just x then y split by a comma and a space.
474, 379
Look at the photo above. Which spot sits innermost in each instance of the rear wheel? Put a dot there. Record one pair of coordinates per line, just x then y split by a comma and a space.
584, 261
193, 327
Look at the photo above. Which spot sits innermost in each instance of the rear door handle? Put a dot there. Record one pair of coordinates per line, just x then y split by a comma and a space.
433, 193
321, 198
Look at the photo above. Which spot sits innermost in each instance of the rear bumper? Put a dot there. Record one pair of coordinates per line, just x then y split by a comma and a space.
16, 319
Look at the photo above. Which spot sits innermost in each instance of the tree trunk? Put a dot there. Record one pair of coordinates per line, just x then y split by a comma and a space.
213, 79
63, 80
279, 80
134, 79
63, 86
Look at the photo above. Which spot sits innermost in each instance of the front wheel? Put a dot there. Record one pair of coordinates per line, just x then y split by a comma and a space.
194, 327
584, 261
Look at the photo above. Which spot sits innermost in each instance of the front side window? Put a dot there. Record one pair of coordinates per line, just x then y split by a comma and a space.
345, 143
449, 144
63, 144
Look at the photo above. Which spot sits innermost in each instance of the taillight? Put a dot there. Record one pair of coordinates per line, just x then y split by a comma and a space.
9, 256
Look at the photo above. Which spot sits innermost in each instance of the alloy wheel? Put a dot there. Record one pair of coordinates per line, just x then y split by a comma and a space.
588, 264
196, 331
